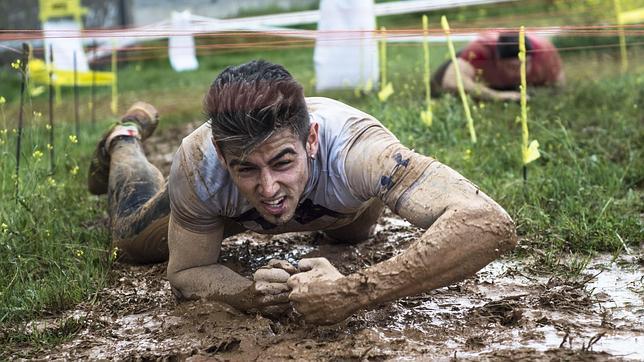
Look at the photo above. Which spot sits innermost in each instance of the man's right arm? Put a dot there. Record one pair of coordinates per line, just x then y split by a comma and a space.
193, 270
194, 273
195, 234
471, 86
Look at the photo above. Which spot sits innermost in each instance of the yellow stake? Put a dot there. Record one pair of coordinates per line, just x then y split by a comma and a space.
386, 89
383, 57
622, 37
529, 152
426, 115
115, 94
459, 80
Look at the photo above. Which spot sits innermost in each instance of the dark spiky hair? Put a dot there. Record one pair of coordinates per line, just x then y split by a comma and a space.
248, 103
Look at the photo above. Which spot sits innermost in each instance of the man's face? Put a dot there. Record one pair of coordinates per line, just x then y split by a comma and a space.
273, 176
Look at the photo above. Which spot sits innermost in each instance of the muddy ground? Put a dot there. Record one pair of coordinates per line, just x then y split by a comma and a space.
507, 311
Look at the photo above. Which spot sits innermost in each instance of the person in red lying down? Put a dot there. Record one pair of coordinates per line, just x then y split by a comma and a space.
490, 67
270, 160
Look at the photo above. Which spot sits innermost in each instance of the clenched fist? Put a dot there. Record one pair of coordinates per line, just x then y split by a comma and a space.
318, 294
270, 290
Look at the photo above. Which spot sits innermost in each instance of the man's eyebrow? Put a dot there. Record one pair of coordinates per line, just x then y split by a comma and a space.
236, 162
282, 153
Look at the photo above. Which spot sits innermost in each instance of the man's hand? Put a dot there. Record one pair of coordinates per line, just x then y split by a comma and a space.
317, 294
270, 292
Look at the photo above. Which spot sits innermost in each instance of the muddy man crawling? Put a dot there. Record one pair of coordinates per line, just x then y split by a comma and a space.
272, 161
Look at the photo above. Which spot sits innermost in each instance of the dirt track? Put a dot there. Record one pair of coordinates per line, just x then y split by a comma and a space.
505, 312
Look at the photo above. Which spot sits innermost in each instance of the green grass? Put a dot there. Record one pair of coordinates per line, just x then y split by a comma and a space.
582, 196
52, 237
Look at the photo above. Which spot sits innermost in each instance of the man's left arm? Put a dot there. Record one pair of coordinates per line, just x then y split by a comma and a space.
466, 230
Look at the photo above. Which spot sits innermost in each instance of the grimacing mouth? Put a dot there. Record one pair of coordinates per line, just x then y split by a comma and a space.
274, 201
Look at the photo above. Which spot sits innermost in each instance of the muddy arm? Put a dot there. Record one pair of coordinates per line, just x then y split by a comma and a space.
465, 231
471, 86
193, 271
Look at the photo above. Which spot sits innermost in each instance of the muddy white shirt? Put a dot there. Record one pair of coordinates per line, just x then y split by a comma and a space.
202, 191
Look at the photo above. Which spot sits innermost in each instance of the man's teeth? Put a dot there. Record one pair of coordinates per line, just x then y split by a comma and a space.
274, 202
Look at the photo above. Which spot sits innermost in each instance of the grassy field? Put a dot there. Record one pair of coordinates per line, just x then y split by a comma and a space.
584, 194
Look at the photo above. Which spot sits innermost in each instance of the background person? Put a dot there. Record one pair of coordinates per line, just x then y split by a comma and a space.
490, 67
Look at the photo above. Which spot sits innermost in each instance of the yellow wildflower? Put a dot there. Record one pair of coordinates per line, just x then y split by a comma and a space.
16, 64
73, 138
50, 147
467, 155
51, 181
4, 228
79, 252
74, 170
37, 154
2, 100
115, 252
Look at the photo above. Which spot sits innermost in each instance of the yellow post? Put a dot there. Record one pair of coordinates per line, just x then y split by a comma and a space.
622, 37
386, 88
529, 152
459, 80
115, 95
426, 115
383, 57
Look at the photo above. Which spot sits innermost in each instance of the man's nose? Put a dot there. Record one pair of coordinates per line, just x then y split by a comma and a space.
268, 185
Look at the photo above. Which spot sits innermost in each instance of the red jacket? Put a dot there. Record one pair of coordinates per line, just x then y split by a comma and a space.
544, 63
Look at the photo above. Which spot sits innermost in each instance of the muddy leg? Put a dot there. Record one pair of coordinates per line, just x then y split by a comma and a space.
138, 204
360, 229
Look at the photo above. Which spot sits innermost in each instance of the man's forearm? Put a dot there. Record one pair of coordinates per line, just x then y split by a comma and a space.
465, 231
215, 282
193, 271
456, 246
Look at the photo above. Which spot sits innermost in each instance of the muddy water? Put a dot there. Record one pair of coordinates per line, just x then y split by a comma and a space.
503, 312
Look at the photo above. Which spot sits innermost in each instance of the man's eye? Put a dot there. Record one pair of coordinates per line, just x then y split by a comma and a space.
245, 170
282, 164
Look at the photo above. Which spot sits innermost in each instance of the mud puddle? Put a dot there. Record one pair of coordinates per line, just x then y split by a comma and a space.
506, 311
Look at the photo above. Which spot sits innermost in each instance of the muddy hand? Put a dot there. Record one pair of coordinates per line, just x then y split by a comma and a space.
271, 288
316, 269
316, 292
282, 264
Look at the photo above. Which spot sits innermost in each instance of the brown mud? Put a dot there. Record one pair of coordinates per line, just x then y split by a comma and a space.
507, 311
